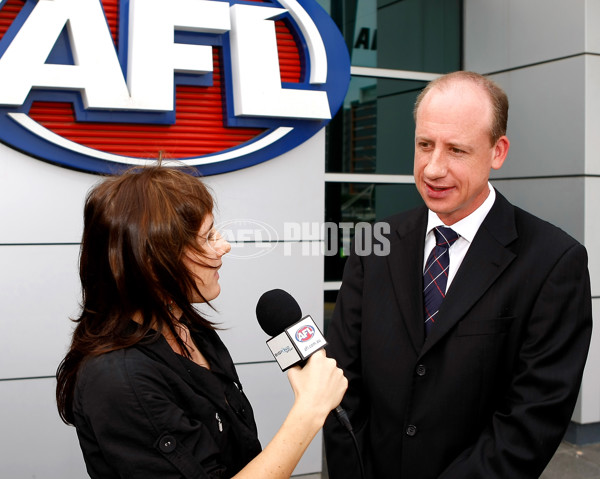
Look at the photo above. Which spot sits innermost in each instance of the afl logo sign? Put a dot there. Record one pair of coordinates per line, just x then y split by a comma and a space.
216, 84
305, 333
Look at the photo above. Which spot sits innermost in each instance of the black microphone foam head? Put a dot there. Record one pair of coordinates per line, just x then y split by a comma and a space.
276, 310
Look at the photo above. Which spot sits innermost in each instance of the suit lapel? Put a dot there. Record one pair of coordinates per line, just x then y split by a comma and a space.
486, 259
405, 263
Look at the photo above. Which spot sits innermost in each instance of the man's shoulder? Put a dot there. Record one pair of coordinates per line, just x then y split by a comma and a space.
531, 226
533, 229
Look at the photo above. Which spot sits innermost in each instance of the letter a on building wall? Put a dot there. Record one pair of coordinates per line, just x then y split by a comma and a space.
219, 85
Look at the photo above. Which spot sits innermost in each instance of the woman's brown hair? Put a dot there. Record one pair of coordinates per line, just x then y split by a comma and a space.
137, 228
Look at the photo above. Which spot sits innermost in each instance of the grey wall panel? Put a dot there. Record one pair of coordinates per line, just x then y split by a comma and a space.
589, 410
557, 200
34, 442
514, 33
41, 203
39, 291
592, 233
592, 32
485, 33
592, 111
546, 121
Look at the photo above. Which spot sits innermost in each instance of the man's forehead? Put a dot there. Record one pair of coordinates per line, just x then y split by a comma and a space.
458, 104
459, 91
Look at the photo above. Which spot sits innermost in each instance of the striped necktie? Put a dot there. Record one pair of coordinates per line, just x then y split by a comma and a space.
435, 277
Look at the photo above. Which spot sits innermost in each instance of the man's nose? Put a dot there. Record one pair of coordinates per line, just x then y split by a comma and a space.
437, 166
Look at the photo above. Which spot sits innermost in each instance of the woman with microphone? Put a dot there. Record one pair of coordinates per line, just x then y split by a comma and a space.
148, 384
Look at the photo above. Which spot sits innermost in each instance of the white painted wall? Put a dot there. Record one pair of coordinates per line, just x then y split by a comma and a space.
41, 223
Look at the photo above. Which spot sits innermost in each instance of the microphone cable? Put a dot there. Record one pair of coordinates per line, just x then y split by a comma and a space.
344, 420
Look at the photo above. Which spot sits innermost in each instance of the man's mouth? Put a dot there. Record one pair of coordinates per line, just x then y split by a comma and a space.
438, 188
436, 191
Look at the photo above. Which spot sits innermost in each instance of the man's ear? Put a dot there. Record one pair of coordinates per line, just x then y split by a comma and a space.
500, 152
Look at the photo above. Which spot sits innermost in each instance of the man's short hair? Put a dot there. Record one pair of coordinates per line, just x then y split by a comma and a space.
497, 96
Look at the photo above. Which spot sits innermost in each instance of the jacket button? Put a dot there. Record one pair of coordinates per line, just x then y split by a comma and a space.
167, 443
411, 430
421, 370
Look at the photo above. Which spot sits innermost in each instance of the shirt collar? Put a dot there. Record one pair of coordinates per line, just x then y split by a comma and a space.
468, 226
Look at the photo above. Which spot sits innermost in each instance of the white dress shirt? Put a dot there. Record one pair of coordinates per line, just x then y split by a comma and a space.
466, 228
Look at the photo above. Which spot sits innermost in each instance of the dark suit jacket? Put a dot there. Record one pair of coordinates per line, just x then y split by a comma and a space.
490, 392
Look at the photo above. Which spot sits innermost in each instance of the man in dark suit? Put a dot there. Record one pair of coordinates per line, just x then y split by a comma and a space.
483, 385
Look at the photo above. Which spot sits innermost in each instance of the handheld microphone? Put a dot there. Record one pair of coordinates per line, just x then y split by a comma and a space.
294, 338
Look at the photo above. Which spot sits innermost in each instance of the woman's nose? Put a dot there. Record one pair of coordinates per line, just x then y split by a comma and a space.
222, 246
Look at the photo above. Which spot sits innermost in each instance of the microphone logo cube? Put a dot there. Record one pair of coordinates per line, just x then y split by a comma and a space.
305, 333
283, 351
296, 343
306, 336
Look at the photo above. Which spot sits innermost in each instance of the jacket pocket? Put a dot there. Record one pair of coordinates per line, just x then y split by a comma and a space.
487, 326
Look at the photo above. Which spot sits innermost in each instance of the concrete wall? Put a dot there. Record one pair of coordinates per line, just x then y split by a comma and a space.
41, 224
545, 54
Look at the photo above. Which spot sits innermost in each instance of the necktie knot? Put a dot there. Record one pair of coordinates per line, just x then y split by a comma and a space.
445, 236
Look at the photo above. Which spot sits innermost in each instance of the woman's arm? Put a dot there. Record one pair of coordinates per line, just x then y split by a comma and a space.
318, 387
